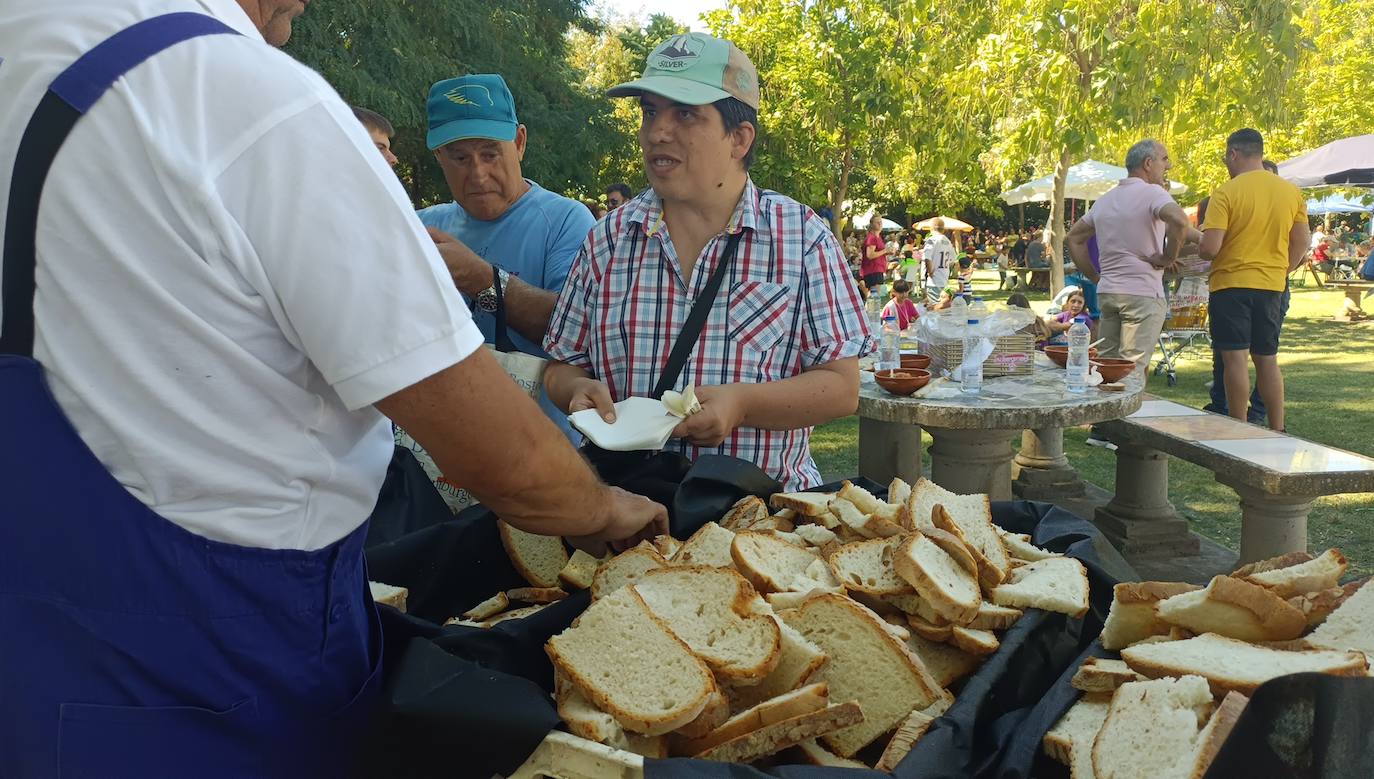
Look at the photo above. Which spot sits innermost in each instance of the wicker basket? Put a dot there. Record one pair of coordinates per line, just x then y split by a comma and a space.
1014, 355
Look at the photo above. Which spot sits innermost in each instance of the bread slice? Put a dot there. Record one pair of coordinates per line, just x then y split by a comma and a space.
781, 601
666, 546
1321, 573
1022, 549
806, 700
1235, 608
536, 594
789, 732
975, 642
1317, 606
710, 545
1351, 626
807, 504
860, 497
982, 541
908, 605
814, 535
773, 565
519, 613
712, 611
938, 578
1098, 674
1073, 735
1057, 584
1228, 664
891, 519
389, 594
815, 754
946, 663
1215, 733
990, 616
627, 663
1152, 729
898, 492
488, 608
582, 718
931, 630
954, 546
867, 566
1133, 616
867, 664
625, 568
712, 716
579, 571
539, 559
1284, 560
972, 514
910, 731
851, 517
745, 512
800, 663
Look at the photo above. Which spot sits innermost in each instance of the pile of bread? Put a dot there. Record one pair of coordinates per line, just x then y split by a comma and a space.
1191, 655
831, 625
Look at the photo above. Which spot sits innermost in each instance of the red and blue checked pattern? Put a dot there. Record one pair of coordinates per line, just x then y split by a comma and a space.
787, 303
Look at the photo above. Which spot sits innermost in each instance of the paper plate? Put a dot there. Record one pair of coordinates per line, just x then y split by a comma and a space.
640, 423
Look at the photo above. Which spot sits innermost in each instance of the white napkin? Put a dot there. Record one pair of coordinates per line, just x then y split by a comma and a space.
640, 423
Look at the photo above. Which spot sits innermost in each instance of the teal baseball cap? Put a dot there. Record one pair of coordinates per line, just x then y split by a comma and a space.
476, 106
695, 69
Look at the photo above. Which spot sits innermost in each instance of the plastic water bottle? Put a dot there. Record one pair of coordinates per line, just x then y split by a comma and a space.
959, 308
978, 310
971, 376
1076, 373
890, 346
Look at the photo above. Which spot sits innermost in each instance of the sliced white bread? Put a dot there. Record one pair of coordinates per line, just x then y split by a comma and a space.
1152, 729
778, 736
1235, 608
910, 731
867, 567
852, 518
519, 613
1020, 548
939, 630
625, 568
627, 663
993, 617
745, 512
867, 664
799, 665
976, 642
1133, 616
1350, 626
1284, 560
781, 601
1058, 584
815, 754
712, 716
891, 519
774, 523
1074, 733
711, 609
1317, 606
814, 535
578, 573
946, 663
973, 516
1218, 728
1321, 573
954, 546
807, 504
806, 700
773, 565
898, 491
896, 625
536, 594
666, 546
488, 608
582, 718
1098, 674
938, 578
389, 594
539, 559
1228, 664
860, 497
710, 545
980, 536
912, 606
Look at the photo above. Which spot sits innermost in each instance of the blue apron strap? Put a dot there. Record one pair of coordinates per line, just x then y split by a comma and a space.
68, 98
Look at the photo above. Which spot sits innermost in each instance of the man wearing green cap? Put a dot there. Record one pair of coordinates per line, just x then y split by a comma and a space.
498, 217
779, 346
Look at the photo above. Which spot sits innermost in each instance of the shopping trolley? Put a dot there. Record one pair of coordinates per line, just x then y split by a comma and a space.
1185, 328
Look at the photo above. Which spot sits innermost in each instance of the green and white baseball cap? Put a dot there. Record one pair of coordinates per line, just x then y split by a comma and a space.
695, 69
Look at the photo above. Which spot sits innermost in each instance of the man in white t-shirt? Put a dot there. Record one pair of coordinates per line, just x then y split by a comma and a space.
939, 258
215, 266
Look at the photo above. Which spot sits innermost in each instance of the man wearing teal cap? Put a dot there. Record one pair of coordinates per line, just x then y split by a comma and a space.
777, 352
498, 218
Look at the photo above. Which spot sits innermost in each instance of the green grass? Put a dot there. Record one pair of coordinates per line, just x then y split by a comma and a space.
1328, 372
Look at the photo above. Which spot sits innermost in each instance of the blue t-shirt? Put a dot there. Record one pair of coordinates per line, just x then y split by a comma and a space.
536, 240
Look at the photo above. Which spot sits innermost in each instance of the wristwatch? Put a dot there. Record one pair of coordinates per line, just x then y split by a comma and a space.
486, 299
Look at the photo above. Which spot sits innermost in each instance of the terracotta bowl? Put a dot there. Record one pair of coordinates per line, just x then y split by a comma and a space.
1060, 354
1113, 369
921, 361
902, 381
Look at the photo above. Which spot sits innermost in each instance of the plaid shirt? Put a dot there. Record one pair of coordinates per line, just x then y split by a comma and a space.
787, 303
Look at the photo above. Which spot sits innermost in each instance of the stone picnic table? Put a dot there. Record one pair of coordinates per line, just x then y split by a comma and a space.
971, 450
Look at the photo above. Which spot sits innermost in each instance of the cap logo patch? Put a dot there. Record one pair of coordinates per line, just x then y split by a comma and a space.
678, 53
470, 94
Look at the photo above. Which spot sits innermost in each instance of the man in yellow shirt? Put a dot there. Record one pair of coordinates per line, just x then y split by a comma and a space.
1255, 234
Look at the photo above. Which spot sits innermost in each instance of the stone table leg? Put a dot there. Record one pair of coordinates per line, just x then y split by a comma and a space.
1139, 520
888, 449
1270, 524
1040, 469
972, 461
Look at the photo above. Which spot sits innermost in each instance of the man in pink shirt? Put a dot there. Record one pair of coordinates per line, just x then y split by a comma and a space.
1140, 231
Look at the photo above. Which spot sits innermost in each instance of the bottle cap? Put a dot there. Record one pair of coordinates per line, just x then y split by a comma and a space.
973, 321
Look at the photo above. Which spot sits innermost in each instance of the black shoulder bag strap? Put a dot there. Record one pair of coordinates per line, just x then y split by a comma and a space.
501, 338
696, 321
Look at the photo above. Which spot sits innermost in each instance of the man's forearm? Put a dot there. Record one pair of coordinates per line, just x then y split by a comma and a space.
528, 309
1078, 252
810, 398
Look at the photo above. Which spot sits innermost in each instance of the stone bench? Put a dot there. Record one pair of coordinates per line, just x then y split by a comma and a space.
1276, 477
1355, 291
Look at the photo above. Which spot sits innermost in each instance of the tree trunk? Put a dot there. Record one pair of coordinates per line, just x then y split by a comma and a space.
1056, 248
839, 192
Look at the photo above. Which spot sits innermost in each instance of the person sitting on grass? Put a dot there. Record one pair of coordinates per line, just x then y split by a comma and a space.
1060, 323
946, 299
1038, 328
900, 306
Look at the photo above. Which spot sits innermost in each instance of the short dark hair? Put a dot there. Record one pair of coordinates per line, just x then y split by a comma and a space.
1246, 141
1202, 209
1271, 166
735, 112
374, 121
1018, 300
622, 188
901, 285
